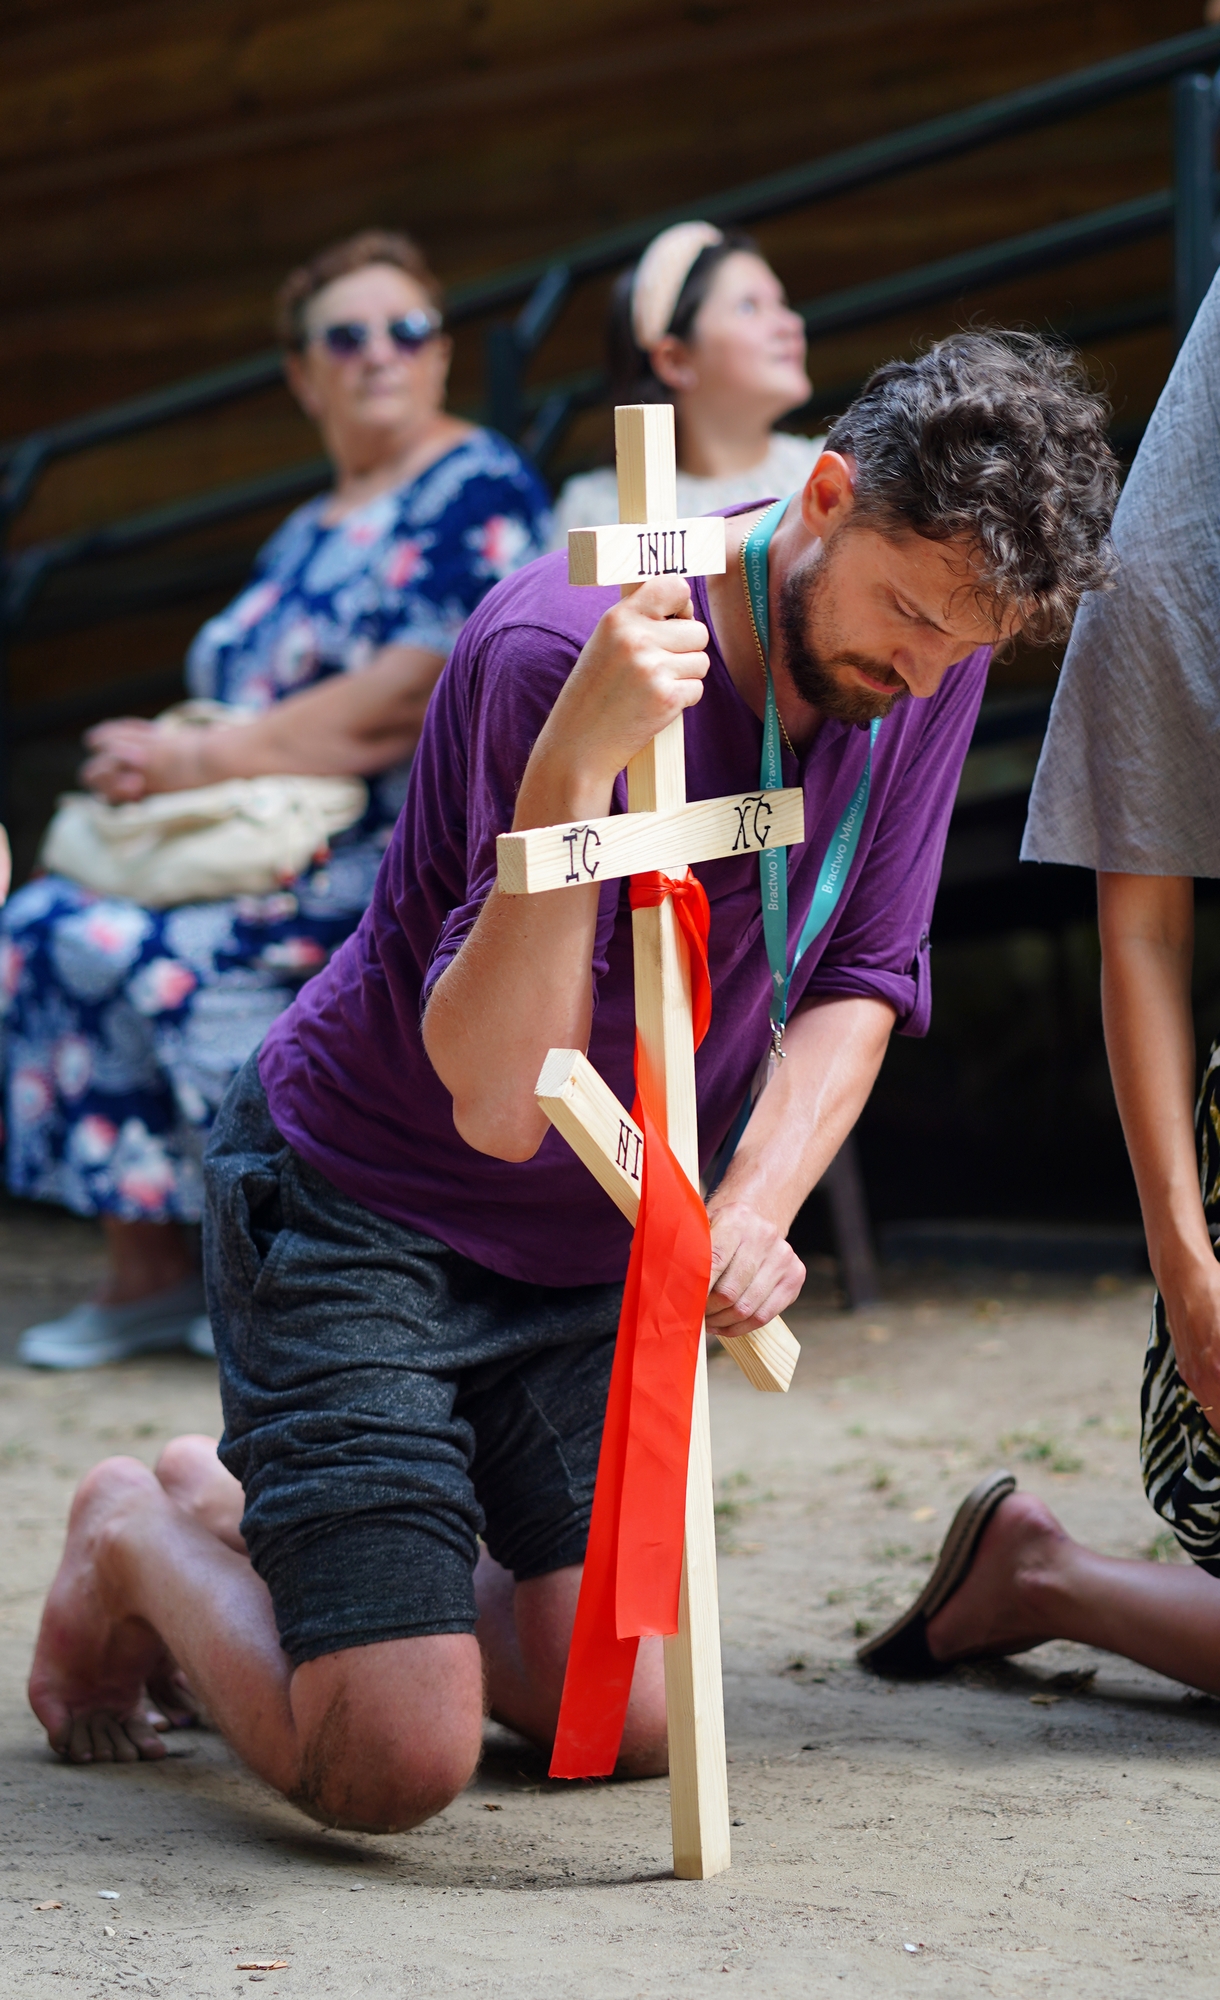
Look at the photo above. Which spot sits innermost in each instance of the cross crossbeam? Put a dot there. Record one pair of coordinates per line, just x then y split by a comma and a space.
596, 850
622, 553
585, 1111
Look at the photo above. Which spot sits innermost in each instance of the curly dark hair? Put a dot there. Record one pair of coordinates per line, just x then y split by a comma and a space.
997, 438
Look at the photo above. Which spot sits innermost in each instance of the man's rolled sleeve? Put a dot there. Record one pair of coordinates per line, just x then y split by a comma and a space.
908, 993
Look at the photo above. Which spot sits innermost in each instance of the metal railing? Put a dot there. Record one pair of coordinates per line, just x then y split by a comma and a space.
537, 417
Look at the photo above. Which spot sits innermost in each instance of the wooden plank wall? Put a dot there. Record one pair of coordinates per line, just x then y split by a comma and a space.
162, 164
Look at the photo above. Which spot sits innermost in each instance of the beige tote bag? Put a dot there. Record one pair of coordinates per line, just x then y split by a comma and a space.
243, 836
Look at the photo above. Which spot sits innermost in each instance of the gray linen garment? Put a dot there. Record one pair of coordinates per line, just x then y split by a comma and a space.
1129, 776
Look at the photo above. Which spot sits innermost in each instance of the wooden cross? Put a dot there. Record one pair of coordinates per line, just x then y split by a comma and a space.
660, 830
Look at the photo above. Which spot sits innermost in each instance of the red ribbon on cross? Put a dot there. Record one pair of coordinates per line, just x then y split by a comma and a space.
633, 1563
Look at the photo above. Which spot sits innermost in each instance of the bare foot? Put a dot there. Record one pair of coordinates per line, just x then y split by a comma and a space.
171, 1701
91, 1662
991, 1611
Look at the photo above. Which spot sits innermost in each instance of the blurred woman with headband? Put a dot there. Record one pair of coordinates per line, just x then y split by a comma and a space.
703, 322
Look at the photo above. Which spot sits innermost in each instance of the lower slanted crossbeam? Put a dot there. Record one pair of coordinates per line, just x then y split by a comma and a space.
585, 1111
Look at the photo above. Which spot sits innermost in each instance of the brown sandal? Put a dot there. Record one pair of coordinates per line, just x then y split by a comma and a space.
902, 1650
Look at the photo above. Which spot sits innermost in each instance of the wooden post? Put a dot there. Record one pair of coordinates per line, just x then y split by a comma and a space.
656, 781
584, 1109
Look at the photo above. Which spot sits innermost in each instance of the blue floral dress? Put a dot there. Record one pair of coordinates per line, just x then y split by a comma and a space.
124, 1026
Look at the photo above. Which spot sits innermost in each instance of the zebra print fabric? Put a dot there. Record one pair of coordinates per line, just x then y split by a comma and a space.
1179, 1451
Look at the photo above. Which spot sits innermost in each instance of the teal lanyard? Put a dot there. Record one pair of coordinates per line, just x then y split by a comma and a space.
773, 861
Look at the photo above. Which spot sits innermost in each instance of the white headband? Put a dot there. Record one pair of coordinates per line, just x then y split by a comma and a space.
660, 275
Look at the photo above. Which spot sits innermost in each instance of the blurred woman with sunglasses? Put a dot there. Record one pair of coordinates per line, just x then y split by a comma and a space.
125, 1025
703, 322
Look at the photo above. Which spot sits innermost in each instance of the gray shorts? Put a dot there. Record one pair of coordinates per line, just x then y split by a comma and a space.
386, 1400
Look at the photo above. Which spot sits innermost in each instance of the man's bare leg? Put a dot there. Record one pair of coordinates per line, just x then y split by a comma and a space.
1030, 1582
190, 1472
378, 1737
525, 1630
374, 1737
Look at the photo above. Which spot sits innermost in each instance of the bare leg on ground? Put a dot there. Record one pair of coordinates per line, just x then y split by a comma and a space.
525, 1630
1030, 1582
190, 1472
374, 1737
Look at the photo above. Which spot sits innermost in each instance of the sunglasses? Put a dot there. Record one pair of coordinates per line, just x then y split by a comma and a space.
409, 333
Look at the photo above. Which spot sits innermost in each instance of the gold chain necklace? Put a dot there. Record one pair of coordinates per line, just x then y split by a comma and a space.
762, 658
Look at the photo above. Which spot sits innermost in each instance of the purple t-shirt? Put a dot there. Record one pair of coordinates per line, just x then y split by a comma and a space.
347, 1078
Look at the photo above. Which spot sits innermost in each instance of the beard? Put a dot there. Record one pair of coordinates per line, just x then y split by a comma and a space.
814, 656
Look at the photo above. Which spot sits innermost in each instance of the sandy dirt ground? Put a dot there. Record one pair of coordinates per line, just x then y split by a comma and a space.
1023, 1830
